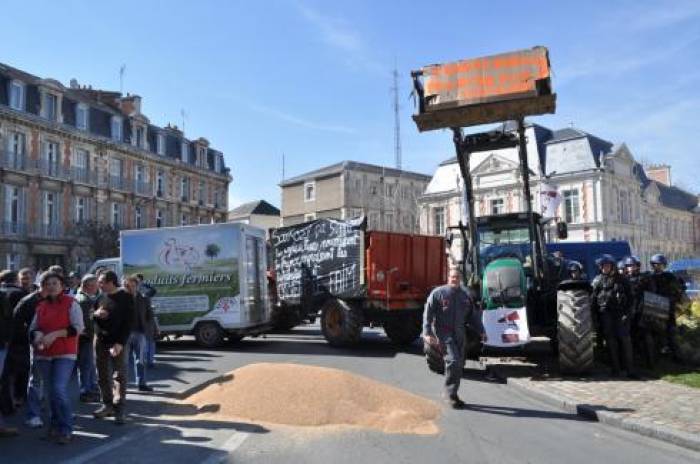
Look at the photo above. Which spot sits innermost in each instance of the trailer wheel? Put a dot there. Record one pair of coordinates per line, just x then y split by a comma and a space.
341, 323
434, 358
209, 334
403, 329
574, 331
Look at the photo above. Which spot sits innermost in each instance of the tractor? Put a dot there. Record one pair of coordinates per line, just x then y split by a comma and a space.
521, 290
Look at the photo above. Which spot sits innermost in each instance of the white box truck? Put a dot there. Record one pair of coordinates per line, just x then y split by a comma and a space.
210, 280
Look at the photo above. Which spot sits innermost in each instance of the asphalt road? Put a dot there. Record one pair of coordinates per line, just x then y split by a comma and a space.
499, 425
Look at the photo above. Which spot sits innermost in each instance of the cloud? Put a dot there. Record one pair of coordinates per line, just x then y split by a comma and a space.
661, 15
339, 35
299, 121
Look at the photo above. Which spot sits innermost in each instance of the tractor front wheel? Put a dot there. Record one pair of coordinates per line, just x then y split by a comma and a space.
574, 331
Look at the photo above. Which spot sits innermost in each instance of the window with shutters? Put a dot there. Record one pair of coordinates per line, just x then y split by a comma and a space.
17, 150
81, 116
14, 214
17, 95
80, 210
116, 126
49, 106
51, 159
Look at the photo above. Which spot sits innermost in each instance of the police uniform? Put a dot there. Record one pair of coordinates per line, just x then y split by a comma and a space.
667, 284
611, 299
642, 337
446, 314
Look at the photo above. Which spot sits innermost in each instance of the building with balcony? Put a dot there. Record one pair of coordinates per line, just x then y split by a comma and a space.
605, 193
387, 197
76, 155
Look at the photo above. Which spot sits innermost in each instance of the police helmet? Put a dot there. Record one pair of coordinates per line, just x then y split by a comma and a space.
621, 264
605, 259
632, 261
574, 266
658, 259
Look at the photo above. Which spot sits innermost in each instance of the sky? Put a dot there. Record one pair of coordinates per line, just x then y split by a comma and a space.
311, 81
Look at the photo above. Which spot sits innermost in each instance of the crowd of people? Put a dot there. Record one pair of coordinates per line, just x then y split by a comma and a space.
617, 303
55, 327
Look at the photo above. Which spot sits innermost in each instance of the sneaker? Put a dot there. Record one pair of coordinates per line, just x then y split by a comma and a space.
145, 388
34, 423
64, 439
104, 411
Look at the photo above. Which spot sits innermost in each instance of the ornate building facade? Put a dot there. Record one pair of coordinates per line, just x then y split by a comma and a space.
71, 156
605, 193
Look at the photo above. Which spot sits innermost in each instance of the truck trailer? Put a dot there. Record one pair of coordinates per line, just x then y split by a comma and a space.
209, 280
354, 278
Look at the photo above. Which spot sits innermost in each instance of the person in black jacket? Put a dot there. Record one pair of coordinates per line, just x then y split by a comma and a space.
611, 299
642, 336
113, 319
667, 284
12, 386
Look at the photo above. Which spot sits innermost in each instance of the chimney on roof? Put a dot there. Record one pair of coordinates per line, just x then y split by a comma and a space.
660, 173
74, 84
130, 105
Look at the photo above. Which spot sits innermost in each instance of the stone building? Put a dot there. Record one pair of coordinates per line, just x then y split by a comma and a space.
387, 197
606, 194
74, 155
256, 213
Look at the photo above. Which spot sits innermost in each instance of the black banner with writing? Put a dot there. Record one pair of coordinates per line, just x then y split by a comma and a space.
318, 258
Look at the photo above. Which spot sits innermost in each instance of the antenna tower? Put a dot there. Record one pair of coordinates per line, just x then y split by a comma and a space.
397, 123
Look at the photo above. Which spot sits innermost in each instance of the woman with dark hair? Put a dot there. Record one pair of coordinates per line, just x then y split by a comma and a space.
54, 331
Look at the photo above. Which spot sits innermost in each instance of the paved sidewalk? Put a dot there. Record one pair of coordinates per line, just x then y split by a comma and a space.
651, 407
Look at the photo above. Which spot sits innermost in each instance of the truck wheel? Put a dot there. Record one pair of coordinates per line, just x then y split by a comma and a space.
341, 323
574, 331
209, 334
403, 330
434, 358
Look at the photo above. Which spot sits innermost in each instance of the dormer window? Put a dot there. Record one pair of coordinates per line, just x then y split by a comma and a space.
217, 162
116, 128
49, 106
81, 116
17, 95
161, 143
140, 138
184, 151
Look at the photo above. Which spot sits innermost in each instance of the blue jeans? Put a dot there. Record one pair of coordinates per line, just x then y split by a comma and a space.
137, 355
57, 373
87, 372
150, 351
35, 390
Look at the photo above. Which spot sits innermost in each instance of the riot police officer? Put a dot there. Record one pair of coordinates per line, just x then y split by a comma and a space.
610, 298
575, 271
642, 336
666, 284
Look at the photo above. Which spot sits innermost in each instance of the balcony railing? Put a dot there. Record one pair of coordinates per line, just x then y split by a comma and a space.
143, 188
14, 228
119, 183
48, 230
52, 169
83, 175
14, 161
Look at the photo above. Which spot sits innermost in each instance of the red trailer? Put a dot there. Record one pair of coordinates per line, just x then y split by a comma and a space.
356, 278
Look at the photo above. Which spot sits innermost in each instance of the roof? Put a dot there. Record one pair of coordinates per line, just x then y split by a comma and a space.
343, 166
673, 197
254, 207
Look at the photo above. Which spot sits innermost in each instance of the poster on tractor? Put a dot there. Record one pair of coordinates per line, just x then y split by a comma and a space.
506, 327
194, 270
319, 258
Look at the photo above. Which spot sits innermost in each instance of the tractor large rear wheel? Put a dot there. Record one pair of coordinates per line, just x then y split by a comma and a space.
574, 331
403, 329
341, 323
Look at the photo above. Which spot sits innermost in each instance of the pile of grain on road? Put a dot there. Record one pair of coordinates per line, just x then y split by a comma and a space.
299, 395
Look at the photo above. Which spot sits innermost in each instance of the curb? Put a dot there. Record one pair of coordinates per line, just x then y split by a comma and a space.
197, 387
598, 413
